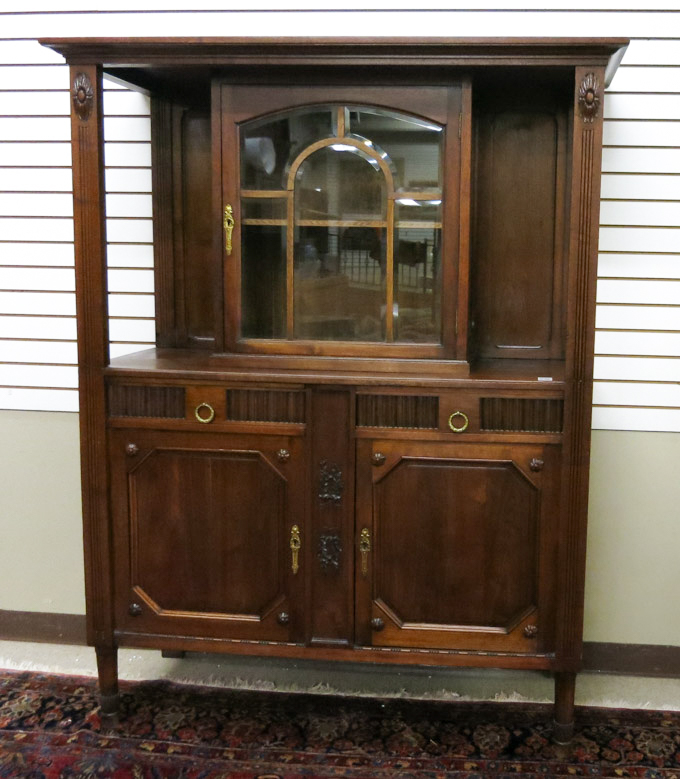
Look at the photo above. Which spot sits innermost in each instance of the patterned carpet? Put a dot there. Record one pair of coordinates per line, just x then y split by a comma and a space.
50, 728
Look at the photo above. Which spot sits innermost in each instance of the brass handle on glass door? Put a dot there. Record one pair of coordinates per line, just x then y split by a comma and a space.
229, 223
295, 544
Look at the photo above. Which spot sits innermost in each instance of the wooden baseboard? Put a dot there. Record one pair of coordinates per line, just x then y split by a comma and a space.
42, 627
598, 657
632, 659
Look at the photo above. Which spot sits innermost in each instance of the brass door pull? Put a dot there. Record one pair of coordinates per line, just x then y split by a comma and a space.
364, 548
229, 223
295, 544
462, 419
204, 413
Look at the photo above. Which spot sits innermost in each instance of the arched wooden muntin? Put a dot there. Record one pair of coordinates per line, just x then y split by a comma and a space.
387, 223
343, 136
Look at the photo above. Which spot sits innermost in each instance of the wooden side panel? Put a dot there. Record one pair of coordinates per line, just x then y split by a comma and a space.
93, 356
517, 261
580, 305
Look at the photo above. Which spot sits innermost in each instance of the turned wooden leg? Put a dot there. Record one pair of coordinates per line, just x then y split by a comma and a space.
565, 686
107, 666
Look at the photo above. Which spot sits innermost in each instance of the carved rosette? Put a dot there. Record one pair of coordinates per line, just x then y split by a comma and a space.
589, 97
83, 96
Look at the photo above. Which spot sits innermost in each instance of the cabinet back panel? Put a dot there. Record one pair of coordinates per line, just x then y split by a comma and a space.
518, 231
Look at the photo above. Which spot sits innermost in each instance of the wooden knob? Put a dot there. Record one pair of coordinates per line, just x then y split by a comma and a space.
131, 449
536, 464
377, 623
283, 455
283, 618
531, 631
134, 610
378, 458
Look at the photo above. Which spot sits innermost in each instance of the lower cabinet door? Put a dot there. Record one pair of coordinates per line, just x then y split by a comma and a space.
455, 545
208, 534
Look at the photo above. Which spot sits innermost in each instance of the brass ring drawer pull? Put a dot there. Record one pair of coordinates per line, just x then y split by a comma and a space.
205, 419
458, 416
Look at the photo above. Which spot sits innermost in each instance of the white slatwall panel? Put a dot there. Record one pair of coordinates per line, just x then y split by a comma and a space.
638, 316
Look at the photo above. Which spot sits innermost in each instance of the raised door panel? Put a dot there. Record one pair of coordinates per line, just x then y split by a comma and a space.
204, 526
456, 543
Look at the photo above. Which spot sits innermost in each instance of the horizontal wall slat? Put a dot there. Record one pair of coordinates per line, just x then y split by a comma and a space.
640, 213
648, 419
35, 204
50, 279
56, 154
52, 128
132, 330
129, 205
641, 160
638, 317
641, 187
130, 280
38, 77
131, 305
128, 180
655, 52
283, 23
28, 53
618, 106
57, 303
661, 344
38, 327
621, 393
637, 368
632, 133
639, 239
65, 376
18, 229
38, 352
35, 103
628, 291
36, 254
137, 128
22, 399
127, 155
129, 230
646, 79
140, 256
126, 102
36, 179
643, 266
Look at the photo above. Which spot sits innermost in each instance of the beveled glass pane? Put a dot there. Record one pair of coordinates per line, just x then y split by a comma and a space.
263, 277
340, 283
269, 145
413, 146
340, 182
417, 271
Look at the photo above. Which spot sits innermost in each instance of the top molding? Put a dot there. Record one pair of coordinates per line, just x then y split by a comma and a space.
156, 52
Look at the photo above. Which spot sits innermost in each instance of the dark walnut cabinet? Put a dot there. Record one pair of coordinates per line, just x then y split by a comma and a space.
364, 431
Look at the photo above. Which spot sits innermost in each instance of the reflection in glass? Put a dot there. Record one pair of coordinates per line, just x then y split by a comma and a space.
413, 145
263, 268
340, 229
417, 275
268, 145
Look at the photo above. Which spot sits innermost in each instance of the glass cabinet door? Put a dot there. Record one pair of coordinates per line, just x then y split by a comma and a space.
337, 233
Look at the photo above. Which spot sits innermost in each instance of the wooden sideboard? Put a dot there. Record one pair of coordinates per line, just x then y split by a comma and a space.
364, 431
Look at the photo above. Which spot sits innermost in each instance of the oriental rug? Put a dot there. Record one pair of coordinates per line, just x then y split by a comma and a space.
50, 728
